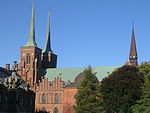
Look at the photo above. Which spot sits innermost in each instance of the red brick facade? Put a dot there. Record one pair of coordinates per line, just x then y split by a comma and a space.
51, 96
69, 99
29, 67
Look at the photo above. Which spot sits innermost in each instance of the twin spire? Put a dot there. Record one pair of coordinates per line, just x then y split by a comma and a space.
32, 42
48, 42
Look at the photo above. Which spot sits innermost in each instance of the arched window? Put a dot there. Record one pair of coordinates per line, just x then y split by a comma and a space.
28, 59
52, 99
60, 98
44, 109
43, 99
56, 110
56, 98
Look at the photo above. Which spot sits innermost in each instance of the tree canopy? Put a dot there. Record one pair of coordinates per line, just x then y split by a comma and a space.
143, 105
121, 89
88, 97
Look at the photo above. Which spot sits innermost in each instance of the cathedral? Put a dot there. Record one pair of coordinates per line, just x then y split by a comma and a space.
55, 88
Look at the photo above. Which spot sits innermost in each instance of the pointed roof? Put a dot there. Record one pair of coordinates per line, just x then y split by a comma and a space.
133, 50
31, 41
48, 41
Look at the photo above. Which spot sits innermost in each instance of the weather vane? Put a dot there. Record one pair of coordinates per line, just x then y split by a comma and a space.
132, 24
49, 6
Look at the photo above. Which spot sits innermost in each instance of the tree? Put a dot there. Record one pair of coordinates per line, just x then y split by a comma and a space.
121, 89
88, 97
143, 104
145, 70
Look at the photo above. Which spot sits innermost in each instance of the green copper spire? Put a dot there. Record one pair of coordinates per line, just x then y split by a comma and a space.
31, 41
48, 43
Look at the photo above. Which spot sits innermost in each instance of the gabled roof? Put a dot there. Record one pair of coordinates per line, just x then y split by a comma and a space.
17, 77
69, 74
4, 73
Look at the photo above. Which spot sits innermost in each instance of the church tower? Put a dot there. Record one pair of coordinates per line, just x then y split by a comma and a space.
133, 57
49, 59
30, 57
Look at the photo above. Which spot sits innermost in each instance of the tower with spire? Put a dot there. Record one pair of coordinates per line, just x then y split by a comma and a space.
32, 59
133, 56
30, 56
49, 59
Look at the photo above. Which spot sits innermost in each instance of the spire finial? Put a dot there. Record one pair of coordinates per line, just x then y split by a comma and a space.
31, 41
48, 7
132, 24
32, 4
48, 41
48, 12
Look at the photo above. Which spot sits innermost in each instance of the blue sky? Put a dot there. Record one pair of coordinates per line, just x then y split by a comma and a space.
83, 32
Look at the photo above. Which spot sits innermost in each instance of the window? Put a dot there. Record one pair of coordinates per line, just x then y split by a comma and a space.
43, 99
28, 59
60, 98
56, 98
56, 110
44, 109
52, 98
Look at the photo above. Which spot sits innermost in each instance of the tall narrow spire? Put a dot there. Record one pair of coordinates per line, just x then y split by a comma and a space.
31, 41
133, 51
48, 41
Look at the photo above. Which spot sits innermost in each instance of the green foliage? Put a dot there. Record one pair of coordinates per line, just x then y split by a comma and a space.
88, 97
145, 70
143, 105
121, 89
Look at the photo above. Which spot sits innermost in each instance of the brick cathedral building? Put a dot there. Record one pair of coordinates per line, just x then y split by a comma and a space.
55, 88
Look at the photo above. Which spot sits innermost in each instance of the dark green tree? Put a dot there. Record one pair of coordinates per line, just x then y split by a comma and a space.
121, 89
143, 105
88, 97
145, 70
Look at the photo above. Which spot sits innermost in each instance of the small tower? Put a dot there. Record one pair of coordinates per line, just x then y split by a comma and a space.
133, 57
49, 59
30, 57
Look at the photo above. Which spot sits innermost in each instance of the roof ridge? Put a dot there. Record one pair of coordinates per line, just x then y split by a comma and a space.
82, 67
